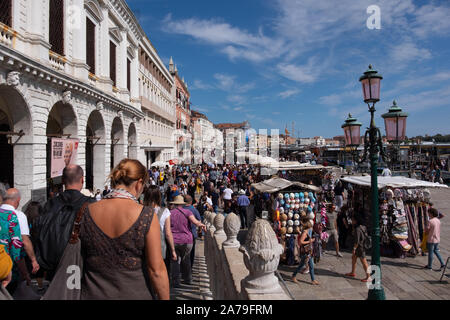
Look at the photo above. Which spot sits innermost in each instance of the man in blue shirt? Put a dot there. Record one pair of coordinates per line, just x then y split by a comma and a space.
243, 202
190, 207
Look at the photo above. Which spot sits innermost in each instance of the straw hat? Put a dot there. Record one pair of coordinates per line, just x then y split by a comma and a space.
178, 200
241, 192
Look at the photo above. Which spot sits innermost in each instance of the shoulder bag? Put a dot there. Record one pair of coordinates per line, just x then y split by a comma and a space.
66, 284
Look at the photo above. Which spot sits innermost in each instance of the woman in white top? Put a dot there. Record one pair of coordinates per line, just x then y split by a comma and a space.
152, 198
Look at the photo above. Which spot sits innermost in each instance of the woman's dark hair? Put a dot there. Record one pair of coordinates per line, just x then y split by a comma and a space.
34, 210
359, 218
433, 212
152, 196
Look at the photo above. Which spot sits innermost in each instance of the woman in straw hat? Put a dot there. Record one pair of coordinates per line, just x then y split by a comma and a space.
305, 241
180, 220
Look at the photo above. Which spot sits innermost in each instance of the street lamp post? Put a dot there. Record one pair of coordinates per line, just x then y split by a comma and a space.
395, 123
352, 134
373, 146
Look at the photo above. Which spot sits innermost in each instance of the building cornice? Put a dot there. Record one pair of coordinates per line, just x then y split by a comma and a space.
16, 61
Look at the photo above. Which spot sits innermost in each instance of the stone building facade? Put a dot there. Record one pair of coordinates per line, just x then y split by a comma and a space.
183, 134
157, 91
70, 68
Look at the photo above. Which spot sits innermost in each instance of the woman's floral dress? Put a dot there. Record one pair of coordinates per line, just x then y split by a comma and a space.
10, 235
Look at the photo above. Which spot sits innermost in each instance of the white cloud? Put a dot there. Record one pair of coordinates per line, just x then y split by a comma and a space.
304, 73
237, 99
432, 20
288, 93
200, 85
224, 81
408, 51
234, 42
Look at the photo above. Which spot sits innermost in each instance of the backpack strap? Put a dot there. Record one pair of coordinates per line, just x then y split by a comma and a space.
76, 225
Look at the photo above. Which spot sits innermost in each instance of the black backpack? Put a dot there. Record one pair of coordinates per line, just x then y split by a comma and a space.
53, 229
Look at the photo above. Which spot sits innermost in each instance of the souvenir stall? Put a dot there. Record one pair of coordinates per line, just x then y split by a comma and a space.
291, 201
403, 205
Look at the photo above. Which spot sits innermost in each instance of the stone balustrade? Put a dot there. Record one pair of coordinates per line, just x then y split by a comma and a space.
242, 272
7, 35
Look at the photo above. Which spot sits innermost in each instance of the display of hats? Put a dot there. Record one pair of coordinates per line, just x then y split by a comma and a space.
389, 194
311, 196
426, 194
280, 196
309, 209
282, 202
283, 223
398, 193
310, 215
296, 216
306, 201
283, 230
290, 214
286, 195
284, 217
305, 194
290, 230
281, 209
297, 201
297, 206
287, 206
290, 223
292, 196
405, 245
301, 195
296, 222
296, 196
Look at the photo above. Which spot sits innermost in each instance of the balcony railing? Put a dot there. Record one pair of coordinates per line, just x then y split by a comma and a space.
92, 79
57, 61
7, 35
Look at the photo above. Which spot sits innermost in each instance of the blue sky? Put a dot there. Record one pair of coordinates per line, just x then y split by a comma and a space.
273, 62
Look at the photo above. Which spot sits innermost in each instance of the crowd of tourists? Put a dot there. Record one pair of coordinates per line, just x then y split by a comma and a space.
138, 236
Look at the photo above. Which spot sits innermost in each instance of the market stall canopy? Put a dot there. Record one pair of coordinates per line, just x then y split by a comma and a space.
160, 164
393, 182
277, 184
294, 165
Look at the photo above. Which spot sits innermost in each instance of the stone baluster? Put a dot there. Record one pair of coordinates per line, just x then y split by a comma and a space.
261, 257
212, 228
232, 227
219, 220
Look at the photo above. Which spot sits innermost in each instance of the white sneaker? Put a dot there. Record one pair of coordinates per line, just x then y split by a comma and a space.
339, 255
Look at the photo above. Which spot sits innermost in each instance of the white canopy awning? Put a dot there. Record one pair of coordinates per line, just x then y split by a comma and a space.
393, 182
276, 184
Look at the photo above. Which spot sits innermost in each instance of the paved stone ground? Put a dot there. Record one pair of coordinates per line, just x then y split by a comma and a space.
403, 279
200, 289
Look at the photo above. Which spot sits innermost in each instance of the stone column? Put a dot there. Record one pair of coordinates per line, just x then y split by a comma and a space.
232, 227
78, 25
261, 257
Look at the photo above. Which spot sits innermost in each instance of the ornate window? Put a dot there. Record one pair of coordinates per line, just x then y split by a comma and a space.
56, 26
112, 63
6, 12
90, 45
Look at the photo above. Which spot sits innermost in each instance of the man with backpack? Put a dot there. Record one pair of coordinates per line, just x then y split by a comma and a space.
54, 227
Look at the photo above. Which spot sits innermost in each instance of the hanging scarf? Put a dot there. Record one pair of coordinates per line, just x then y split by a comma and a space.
120, 194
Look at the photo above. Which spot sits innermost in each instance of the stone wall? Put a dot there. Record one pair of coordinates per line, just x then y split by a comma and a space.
242, 272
